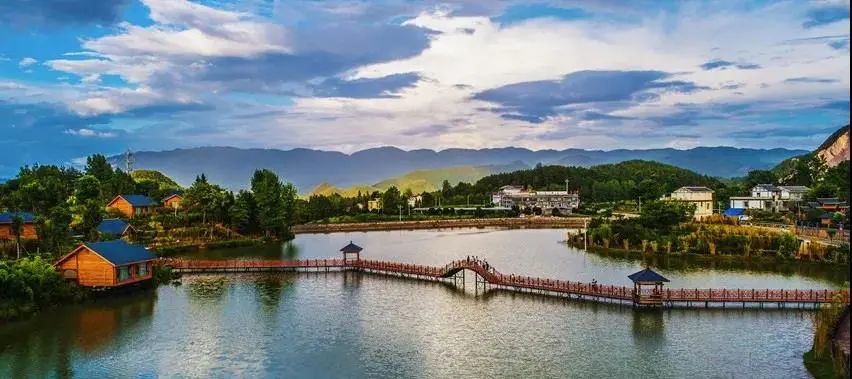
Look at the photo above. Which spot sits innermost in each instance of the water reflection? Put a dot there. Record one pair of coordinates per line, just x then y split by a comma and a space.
270, 289
648, 325
49, 346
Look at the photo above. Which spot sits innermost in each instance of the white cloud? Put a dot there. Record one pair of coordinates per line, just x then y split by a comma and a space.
26, 62
468, 55
84, 132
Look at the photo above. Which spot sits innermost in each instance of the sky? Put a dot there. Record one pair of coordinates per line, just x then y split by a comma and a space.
92, 76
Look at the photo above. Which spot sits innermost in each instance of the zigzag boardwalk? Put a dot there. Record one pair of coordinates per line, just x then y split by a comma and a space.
490, 277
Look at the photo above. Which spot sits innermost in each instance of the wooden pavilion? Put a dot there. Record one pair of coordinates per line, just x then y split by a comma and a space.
351, 253
647, 287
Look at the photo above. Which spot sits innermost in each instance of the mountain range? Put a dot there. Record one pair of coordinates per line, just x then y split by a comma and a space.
306, 168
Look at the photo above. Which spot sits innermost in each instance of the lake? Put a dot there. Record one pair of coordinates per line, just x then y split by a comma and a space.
361, 325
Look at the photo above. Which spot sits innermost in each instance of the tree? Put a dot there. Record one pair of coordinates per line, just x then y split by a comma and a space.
98, 166
268, 195
243, 213
391, 200
663, 215
807, 170
756, 177
87, 188
204, 197
821, 190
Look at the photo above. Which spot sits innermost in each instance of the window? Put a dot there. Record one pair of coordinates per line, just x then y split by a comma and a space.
142, 269
123, 273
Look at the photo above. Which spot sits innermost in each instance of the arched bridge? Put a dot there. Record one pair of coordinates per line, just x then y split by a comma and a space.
495, 279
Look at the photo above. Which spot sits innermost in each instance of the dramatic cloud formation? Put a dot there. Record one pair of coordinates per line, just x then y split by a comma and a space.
102, 76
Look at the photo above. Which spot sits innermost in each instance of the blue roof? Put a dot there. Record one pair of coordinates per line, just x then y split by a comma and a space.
119, 252
139, 200
351, 248
114, 226
647, 275
734, 212
6, 217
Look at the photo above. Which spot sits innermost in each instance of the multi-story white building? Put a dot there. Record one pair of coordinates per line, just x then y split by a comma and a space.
771, 198
701, 197
508, 196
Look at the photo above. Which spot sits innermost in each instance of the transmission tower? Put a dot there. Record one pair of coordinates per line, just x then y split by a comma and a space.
128, 161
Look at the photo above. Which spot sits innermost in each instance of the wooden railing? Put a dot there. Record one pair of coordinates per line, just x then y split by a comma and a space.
519, 282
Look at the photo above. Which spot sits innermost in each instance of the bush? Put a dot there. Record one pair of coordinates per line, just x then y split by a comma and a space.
32, 283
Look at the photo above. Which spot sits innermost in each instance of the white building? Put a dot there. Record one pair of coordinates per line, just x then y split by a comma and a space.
508, 196
701, 197
415, 201
770, 198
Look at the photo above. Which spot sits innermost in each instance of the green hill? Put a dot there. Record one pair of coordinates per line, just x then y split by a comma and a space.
432, 179
420, 180
163, 182
327, 189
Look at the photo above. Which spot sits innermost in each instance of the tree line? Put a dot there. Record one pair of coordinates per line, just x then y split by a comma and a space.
69, 204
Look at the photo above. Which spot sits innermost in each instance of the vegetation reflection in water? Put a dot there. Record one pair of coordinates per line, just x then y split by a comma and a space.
363, 325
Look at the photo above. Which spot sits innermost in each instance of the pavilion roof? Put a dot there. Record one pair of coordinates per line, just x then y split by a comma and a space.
351, 248
647, 276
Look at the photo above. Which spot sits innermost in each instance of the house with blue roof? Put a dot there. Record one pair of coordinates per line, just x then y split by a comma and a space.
107, 264
132, 205
28, 230
114, 227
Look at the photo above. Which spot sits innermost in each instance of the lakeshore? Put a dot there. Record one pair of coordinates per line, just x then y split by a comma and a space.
515, 222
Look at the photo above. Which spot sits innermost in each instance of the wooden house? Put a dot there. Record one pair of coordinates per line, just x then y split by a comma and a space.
107, 264
115, 227
173, 201
132, 205
28, 230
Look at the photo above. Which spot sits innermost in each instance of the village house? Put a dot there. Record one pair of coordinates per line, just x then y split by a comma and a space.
132, 205
114, 227
508, 196
826, 208
701, 197
173, 201
28, 230
107, 264
374, 204
771, 198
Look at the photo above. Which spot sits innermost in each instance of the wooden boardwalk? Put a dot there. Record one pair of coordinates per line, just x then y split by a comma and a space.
489, 277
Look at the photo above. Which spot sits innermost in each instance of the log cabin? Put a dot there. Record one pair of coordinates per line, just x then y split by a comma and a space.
115, 227
107, 264
173, 201
132, 205
28, 230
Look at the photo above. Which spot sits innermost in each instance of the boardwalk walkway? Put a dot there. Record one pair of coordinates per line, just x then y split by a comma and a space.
489, 276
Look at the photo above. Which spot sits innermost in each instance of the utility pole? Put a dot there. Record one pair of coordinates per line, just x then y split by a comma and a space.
400, 211
640, 204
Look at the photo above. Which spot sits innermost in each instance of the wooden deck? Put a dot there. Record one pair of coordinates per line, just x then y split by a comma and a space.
490, 277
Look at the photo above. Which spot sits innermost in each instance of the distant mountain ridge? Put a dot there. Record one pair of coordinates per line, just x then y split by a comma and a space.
306, 168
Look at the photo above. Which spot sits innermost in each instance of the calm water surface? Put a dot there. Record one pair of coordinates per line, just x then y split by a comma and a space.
358, 325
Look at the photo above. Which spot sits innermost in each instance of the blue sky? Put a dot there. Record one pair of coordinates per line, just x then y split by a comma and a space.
104, 76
